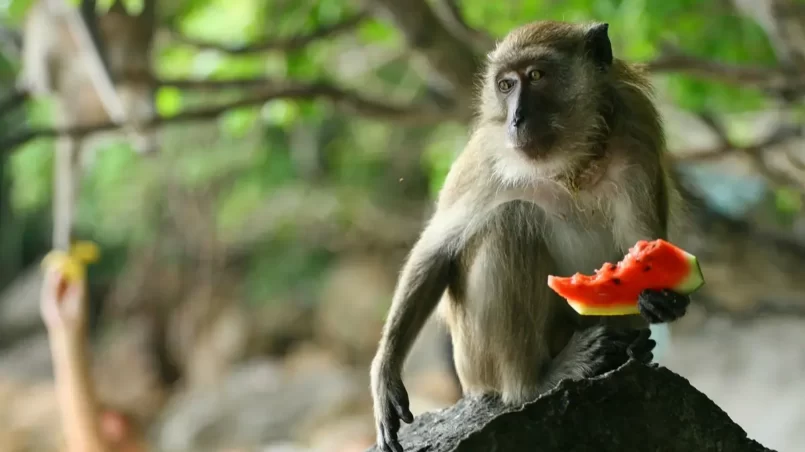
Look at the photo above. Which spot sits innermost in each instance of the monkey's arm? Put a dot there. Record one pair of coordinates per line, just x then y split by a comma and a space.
644, 215
422, 282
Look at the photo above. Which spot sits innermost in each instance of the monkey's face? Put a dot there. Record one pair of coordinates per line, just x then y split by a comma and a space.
533, 112
544, 86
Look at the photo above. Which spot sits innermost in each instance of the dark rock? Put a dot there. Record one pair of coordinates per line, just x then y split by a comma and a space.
634, 408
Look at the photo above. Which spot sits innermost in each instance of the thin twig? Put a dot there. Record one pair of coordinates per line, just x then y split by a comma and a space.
346, 101
276, 44
450, 14
782, 135
452, 59
755, 152
767, 78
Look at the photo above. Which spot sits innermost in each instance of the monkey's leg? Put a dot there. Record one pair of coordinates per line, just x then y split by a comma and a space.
66, 176
662, 306
596, 350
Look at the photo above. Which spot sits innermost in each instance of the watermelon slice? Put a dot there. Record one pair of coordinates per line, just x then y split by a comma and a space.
614, 288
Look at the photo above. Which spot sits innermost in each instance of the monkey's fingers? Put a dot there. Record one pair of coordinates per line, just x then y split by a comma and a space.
387, 436
645, 358
401, 405
679, 303
641, 349
656, 307
612, 351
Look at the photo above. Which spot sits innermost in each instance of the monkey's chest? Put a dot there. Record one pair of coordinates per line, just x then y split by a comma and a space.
512, 258
580, 248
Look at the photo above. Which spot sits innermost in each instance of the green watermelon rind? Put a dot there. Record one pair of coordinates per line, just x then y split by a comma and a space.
695, 279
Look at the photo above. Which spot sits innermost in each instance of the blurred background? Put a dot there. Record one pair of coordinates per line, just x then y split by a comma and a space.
250, 257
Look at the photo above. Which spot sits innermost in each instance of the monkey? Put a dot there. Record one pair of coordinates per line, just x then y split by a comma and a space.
52, 63
564, 169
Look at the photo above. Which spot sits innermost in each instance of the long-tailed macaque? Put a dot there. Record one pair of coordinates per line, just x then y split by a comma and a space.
563, 171
55, 61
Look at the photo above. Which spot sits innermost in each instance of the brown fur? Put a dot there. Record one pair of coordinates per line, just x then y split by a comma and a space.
505, 221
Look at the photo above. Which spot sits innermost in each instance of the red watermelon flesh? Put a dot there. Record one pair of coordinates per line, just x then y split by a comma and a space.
614, 288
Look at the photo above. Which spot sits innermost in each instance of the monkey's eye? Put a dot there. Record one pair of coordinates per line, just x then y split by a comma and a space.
535, 75
505, 85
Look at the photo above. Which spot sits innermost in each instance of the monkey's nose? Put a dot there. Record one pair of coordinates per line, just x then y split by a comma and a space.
519, 117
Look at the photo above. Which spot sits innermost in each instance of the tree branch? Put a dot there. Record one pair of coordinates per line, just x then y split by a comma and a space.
276, 44
12, 101
347, 101
454, 61
782, 20
217, 85
766, 78
450, 14
783, 135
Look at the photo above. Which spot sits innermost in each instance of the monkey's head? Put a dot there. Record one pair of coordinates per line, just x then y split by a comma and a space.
545, 84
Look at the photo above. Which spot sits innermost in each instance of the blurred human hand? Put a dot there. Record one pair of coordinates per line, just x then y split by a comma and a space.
63, 302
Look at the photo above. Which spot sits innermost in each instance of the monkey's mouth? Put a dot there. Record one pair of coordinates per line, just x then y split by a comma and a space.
530, 141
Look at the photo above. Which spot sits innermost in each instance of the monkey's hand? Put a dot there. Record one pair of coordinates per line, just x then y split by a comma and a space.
609, 347
390, 406
662, 306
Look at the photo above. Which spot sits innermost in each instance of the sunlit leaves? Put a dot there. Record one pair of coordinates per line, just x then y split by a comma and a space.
223, 20
14, 10
379, 32
788, 201
281, 267
441, 152
244, 197
280, 112
249, 148
168, 101
238, 122
131, 6
32, 170
117, 194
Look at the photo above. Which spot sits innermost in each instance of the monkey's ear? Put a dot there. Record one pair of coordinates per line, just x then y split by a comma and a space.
598, 46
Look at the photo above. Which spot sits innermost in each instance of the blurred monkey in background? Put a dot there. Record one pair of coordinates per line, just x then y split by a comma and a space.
98, 68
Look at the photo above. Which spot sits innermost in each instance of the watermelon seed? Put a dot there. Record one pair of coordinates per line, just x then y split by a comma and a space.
616, 281
647, 268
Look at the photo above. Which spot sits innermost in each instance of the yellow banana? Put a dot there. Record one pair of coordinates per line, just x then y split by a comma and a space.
73, 264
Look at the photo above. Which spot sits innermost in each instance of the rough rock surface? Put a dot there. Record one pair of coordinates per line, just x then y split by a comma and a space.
634, 408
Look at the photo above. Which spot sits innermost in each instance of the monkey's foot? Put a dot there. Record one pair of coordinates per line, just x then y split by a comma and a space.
662, 306
609, 347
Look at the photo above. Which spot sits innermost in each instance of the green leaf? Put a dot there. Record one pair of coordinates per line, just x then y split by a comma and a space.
134, 7
32, 175
15, 10
244, 198
787, 200
168, 101
238, 122
376, 32
280, 112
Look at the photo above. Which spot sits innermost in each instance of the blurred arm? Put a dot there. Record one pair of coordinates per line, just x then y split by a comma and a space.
75, 392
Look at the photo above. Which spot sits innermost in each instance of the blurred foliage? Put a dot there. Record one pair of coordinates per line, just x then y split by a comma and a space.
249, 152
